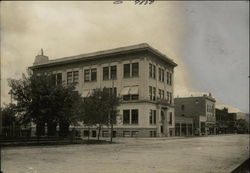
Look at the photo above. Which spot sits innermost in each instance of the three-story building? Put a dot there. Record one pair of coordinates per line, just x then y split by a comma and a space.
139, 74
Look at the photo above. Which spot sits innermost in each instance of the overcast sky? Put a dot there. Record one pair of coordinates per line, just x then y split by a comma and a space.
208, 40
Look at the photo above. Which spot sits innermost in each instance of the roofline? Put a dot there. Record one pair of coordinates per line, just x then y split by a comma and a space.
105, 53
206, 97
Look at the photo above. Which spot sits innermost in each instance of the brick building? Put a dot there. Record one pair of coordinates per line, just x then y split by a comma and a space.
201, 109
226, 122
141, 75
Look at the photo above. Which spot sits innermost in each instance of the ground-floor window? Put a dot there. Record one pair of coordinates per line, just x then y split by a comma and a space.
152, 133
105, 134
126, 134
93, 133
135, 133
85, 133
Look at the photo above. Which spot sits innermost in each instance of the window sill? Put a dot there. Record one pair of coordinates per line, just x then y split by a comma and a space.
131, 77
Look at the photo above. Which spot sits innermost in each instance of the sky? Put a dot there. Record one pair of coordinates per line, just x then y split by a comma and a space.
208, 40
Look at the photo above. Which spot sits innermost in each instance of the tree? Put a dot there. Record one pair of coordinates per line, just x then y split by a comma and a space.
242, 126
97, 108
10, 121
39, 100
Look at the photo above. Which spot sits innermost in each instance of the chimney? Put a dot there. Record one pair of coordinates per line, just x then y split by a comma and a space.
41, 58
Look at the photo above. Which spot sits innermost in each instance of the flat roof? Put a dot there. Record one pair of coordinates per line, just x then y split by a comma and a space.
105, 53
196, 97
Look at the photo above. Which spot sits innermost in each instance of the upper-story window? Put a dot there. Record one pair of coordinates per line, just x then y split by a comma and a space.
93, 74
161, 74
131, 70
152, 93
113, 72
161, 94
72, 77
182, 107
130, 93
109, 72
57, 78
105, 73
169, 97
90, 75
152, 71
152, 117
169, 78
131, 116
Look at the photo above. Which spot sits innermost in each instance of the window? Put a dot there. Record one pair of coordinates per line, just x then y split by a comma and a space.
131, 70
160, 74
134, 116
135, 69
167, 96
113, 72
105, 134
69, 78
134, 133
182, 107
105, 73
90, 75
93, 74
170, 118
53, 79
109, 72
163, 94
126, 134
59, 78
126, 117
87, 75
150, 70
126, 71
154, 93
134, 97
85, 133
170, 78
150, 93
75, 76
126, 97
154, 71
170, 97
152, 117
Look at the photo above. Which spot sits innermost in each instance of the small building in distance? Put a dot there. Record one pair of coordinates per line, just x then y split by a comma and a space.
225, 121
201, 109
140, 75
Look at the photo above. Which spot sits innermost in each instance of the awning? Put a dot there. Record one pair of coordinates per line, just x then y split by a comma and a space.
125, 91
85, 93
134, 90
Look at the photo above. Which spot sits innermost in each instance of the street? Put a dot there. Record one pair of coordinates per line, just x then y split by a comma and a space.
213, 154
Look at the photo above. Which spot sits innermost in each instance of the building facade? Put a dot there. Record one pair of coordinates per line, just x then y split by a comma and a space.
226, 122
201, 109
140, 75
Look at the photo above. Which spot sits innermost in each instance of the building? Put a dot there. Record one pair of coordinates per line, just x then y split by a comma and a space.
184, 126
201, 109
141, 75
226, 122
